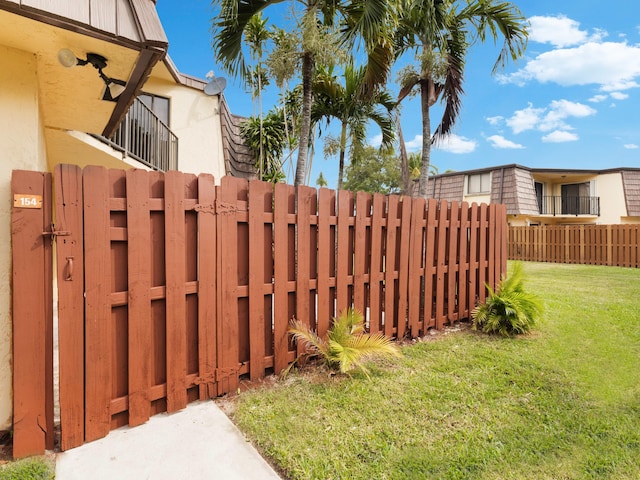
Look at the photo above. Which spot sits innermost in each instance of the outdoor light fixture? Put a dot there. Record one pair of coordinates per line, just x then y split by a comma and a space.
113, 86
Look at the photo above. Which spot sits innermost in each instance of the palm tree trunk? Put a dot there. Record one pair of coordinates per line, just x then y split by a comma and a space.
343, 148
305, 125
426, 138
404, 160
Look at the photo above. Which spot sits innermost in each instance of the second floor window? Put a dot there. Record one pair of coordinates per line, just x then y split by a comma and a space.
158, 105
479, 183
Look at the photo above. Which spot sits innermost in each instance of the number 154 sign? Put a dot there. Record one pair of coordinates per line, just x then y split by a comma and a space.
27, 201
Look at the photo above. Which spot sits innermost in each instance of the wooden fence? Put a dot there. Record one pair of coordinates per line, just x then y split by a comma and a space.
179, 287
613, 245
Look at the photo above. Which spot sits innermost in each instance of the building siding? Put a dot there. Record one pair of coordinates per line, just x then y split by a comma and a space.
631, 186
449, 188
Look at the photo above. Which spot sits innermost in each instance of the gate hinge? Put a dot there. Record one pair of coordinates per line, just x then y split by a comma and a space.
216, 376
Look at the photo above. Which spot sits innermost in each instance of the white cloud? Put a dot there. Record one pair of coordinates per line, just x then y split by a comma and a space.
415, 144
559, 136
619, 95
631, 146
453, 143
614, 66
498, 141
525, 119
560, 31
550, 118
376, 141
495, 120
559, 110
598, 98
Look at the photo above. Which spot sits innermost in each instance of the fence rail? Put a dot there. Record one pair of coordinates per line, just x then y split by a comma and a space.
613, 245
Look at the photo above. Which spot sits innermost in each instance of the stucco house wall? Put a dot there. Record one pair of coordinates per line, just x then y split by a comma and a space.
22, 147
195, 119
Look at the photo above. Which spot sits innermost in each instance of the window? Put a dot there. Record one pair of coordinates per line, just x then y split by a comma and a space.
479, 183
538, 187
158, 105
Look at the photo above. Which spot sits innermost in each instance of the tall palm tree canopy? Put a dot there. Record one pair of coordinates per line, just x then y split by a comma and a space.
440, 33
353, 109
368, 20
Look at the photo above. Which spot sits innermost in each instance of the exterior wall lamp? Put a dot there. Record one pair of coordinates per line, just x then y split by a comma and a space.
113, 86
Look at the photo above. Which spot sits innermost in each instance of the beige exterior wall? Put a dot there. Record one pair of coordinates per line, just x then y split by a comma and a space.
22, 148
612, 205
195, 119
477, 198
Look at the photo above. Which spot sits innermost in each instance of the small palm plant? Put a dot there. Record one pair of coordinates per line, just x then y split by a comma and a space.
347, 346
509, 310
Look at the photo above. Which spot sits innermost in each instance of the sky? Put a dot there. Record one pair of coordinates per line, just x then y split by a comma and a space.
570, 102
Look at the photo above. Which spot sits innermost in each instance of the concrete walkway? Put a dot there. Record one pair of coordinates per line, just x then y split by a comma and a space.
199, 442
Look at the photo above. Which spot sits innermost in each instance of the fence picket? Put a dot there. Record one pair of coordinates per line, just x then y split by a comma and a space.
390, 266
453, 312
416, 266
139, 304
98, 332
403, 266
176, 311
207, 286
259, 201
70, 252
326, 259
376, 274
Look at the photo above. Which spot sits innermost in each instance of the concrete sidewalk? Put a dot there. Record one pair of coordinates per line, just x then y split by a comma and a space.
199, 442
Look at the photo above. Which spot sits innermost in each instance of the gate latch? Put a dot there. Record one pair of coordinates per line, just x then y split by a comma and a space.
55, 233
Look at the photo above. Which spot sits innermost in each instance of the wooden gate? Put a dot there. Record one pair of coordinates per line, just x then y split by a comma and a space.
170, 287
138, 260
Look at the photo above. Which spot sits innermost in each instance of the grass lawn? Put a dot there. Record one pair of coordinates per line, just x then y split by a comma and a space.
561, 403
36, 468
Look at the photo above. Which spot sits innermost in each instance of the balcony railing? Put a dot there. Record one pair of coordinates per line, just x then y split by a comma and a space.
569, 205
145, 138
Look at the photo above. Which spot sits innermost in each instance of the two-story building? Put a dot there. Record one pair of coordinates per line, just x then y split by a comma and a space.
544, 196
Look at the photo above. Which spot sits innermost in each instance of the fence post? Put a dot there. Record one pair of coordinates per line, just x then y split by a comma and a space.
32, 313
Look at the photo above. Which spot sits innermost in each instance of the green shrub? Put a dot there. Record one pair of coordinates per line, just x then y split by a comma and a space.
27, 469
347, 345
509, 310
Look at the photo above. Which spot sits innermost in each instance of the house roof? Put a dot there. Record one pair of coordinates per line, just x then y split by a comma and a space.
538, 170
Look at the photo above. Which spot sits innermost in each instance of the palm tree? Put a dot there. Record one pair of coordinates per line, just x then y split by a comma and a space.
366, 19
441, 32
266, 138
352, 109
257, 35
347, 346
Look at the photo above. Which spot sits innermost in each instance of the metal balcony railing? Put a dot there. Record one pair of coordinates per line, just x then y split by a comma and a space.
145, 138
569, 205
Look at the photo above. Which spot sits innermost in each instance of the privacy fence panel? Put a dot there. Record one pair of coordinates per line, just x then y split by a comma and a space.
612, 245
172, 288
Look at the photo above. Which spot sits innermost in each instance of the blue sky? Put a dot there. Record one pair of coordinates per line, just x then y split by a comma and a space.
570, 102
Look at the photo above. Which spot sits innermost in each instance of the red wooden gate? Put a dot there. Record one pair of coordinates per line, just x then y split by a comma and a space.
170, 288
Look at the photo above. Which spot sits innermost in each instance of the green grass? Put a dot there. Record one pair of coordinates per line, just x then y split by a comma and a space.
27, 469
561, 403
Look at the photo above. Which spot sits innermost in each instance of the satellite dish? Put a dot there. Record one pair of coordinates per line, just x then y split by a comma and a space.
215, 86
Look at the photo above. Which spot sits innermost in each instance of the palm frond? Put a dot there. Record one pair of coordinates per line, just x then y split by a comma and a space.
302, 333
